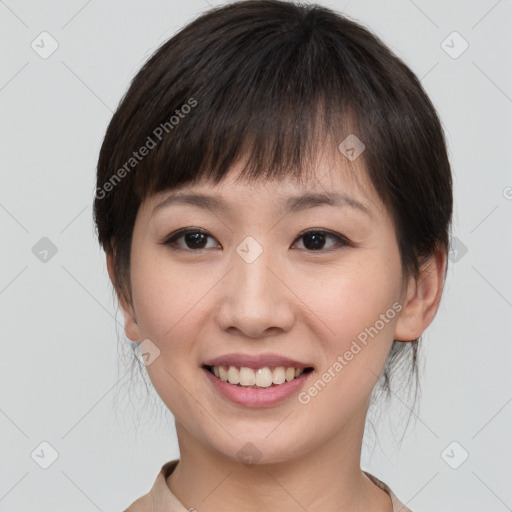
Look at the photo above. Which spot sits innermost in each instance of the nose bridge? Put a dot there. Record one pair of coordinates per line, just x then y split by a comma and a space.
254, 299
251, 266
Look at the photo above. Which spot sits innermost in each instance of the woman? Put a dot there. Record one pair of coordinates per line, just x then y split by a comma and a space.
274, 199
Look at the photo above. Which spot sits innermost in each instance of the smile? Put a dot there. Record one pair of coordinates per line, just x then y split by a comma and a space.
254, 395
265, 377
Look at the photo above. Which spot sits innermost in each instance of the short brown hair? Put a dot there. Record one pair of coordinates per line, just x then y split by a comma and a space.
270, 80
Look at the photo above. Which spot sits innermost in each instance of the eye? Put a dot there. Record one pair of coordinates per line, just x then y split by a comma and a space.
194, 239
315, 240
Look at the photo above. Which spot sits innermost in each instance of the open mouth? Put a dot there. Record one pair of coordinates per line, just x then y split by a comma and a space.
257, 378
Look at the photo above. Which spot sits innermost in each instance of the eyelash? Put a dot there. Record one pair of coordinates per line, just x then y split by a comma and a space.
341, 241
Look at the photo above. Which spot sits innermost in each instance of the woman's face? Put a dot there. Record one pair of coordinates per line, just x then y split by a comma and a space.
245, 283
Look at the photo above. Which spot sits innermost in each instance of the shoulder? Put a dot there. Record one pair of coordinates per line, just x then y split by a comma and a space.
398, 506
143, 504
158, 492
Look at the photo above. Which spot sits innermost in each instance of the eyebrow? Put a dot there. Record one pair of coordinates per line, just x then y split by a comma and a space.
292, 204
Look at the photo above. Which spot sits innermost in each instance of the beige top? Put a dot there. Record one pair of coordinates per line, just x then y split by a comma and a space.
161, 499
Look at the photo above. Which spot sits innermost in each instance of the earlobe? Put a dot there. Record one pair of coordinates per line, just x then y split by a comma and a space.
422, 298
131, 328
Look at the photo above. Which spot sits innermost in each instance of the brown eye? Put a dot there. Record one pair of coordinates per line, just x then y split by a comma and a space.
316, 239
193, 239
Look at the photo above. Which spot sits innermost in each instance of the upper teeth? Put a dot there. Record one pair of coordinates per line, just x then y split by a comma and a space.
261, 377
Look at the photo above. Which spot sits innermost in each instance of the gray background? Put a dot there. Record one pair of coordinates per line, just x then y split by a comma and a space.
62, 382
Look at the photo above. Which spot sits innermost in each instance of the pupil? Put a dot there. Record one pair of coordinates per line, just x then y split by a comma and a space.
318, 237
195, 237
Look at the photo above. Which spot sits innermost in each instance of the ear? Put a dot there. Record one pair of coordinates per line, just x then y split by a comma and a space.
130, 322
422, 298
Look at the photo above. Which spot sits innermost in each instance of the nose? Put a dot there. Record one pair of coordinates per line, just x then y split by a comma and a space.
255, 300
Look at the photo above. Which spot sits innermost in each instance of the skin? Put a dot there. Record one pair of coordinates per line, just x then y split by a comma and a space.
309, 305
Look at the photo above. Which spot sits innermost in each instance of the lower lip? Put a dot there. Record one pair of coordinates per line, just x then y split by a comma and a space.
253, 397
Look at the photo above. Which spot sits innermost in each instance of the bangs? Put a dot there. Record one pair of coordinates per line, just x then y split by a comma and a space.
269, 99
274, 138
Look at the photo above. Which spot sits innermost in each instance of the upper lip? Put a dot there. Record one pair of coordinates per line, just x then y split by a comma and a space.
255, 361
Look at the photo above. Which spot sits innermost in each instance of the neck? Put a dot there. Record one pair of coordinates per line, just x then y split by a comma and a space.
328, 477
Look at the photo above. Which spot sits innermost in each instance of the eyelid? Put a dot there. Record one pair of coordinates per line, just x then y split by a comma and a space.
323, 231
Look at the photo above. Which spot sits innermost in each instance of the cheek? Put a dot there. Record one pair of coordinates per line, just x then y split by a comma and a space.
353, 300
164, 296
172, 307
168, 309
359, 308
